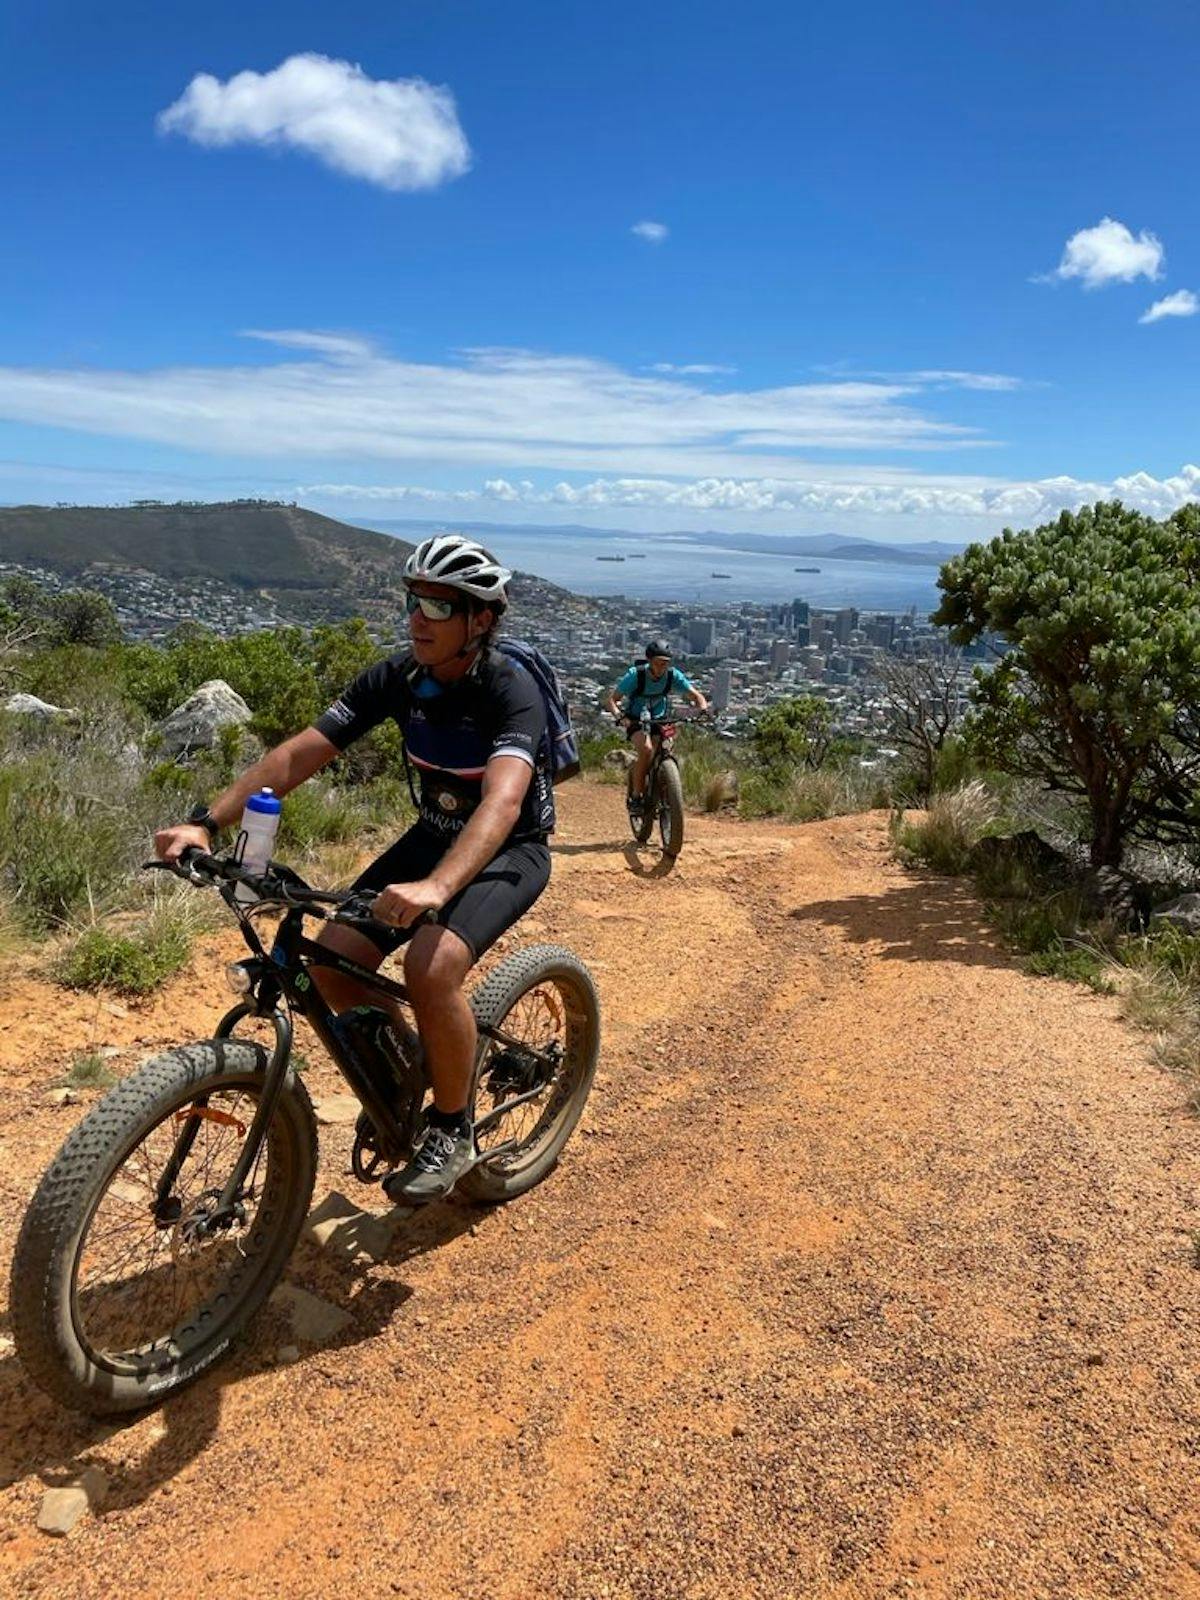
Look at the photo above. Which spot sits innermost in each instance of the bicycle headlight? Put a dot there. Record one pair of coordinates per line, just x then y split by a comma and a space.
239, 977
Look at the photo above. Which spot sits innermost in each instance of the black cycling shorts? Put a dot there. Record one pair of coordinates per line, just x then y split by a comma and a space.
478, 914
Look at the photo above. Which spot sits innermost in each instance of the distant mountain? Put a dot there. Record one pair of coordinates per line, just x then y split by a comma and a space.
834, 546
252, 543
311, 566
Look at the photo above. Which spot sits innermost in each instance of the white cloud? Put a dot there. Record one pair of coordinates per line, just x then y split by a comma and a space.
400, 134
691, 369
1109, 253
1183, 303
994, 500
652, 232
347, 346
337, 399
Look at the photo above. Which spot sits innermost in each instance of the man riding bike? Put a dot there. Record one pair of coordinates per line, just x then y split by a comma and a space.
649, 686
476, 859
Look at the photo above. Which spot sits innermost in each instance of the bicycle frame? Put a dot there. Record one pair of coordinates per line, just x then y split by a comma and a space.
280, 981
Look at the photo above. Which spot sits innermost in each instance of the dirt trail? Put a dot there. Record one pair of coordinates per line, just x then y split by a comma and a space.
871, 1273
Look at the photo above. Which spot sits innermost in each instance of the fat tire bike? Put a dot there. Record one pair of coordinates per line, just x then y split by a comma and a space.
171, 1210
663, 793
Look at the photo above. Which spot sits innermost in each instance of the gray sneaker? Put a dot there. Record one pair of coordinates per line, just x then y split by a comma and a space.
437, 1164
636, 805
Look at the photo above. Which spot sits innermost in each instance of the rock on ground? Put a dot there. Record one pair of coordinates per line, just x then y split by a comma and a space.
62, 1507
197, 723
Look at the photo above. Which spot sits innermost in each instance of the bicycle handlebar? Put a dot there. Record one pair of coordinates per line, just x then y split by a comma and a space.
278, 885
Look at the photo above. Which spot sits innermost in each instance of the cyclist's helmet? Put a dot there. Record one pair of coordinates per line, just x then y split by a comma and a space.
657, 647
460, 563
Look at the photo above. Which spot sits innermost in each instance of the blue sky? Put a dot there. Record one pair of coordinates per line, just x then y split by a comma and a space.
383, 259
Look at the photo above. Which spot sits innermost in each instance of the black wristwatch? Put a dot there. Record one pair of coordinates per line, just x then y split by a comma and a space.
201, 817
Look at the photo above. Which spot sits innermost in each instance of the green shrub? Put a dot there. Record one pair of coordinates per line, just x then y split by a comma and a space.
942, 839
125, 963
760, 794
139, 952
1078, 963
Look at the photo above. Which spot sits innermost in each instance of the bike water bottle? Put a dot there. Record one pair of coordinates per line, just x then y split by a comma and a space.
260, 824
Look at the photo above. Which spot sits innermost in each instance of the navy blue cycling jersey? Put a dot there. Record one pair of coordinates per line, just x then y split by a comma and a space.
451, 731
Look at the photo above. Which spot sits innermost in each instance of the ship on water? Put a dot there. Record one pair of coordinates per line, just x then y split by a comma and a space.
720, 574
610, 558
806, 569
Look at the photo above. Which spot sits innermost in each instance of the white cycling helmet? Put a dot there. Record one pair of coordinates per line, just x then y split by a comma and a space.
460, 563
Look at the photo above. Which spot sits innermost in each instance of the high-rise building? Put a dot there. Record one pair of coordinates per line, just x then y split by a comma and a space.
800, 613
844, 624
722, 683
781, 654
702, 632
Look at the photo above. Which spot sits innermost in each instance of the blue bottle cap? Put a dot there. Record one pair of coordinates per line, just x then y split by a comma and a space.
266, 801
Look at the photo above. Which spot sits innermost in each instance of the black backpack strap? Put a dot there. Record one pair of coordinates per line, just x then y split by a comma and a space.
410, 671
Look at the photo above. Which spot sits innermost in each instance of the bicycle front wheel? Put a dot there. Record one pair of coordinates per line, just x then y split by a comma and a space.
668, 802
120, 1295
530, 1087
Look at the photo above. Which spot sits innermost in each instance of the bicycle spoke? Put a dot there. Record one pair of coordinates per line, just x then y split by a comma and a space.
139, 1278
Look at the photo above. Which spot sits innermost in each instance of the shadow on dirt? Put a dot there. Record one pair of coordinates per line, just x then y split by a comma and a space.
603, 847
40, 1439
933, 919
658, 868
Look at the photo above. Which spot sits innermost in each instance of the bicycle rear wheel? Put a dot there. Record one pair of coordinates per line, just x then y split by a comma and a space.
119, 1298
526, 1105
642, 825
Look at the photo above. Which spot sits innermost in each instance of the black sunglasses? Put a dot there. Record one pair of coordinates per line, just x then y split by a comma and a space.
433, 606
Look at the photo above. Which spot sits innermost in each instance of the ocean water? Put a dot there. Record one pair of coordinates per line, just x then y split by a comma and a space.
666, 568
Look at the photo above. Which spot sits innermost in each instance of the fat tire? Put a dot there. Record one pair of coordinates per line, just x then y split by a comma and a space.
670, 797
44, 1262
642, 826
491, 1003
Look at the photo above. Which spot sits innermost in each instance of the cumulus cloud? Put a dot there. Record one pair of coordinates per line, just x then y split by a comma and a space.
1183, 303
401, 133
994, 500
652, 232
1109, 253
334, 398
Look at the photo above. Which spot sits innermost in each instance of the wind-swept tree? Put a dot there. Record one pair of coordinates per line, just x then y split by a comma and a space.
1099, 694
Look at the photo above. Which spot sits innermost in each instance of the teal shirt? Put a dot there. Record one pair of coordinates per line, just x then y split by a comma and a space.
658, 691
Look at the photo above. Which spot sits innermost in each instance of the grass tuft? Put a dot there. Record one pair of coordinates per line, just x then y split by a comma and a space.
89, 1071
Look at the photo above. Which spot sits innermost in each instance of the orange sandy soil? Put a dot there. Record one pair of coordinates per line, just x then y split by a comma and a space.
870, 1272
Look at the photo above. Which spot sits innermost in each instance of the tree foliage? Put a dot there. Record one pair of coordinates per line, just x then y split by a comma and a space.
793, 733
1099, 694
73, 616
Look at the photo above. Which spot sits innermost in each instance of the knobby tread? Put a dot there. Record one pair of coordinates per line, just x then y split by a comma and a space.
671, 779
491, 1003
87, 1158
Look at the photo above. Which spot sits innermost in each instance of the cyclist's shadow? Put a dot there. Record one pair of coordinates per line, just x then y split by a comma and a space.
41, 1440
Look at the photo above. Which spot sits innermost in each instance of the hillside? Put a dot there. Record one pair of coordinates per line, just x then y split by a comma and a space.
312, 567
253, 543
870, 1273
